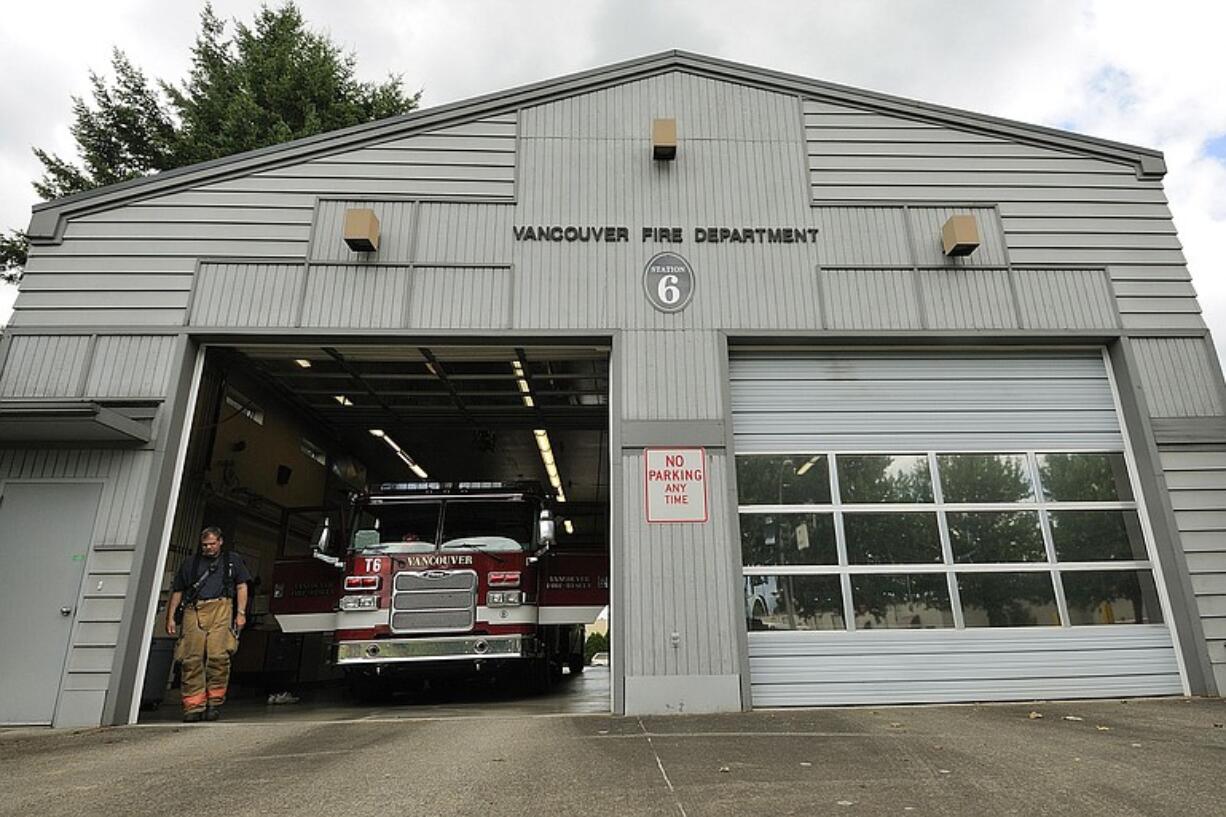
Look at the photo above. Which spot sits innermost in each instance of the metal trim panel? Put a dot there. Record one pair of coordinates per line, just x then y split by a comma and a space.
30, 421
943, 666
822, 400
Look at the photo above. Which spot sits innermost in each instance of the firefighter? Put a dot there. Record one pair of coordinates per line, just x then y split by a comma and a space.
207, 609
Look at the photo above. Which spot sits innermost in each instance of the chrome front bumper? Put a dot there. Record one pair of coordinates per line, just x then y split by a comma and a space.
462, 648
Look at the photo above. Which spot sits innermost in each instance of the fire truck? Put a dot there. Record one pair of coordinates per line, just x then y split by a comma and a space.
445, 580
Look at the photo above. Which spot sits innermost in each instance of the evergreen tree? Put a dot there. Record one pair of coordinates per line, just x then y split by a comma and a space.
13, 247
268, 82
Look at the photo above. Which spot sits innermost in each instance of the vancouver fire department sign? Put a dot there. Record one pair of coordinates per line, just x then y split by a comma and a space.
676, 480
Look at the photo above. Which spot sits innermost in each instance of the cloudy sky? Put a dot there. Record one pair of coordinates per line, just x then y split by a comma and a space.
1139, 72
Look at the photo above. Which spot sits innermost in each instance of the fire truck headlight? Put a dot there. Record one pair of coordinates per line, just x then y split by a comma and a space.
504, 598
351, 603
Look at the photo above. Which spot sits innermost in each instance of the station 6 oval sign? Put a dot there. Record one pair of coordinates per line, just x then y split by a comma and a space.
668, 280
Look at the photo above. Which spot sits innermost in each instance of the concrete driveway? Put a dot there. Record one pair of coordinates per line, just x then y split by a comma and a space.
1150, 757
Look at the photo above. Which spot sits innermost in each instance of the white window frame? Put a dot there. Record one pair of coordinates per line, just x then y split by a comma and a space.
1037, 504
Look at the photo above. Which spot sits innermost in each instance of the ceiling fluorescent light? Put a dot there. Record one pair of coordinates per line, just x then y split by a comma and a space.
342, 399
551, 465
400, 452
570, 527
303, 362
414, 467
524, 389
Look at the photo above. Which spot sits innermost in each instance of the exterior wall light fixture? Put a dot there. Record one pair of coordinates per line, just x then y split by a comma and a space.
960, 235
361, 230
664, 139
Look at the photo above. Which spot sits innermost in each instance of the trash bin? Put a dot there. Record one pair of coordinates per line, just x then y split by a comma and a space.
157, 672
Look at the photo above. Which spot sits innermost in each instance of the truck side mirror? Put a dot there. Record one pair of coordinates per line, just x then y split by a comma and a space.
547, 529
322, 534
319, 548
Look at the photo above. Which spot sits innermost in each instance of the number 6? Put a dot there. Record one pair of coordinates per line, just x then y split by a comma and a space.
667, 290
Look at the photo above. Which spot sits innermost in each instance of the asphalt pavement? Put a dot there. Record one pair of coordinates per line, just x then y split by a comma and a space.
1117, 758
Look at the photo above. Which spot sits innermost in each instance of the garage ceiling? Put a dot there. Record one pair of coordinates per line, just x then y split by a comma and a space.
462, 412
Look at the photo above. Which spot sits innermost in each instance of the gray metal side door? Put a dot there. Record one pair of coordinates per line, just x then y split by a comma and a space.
45, 530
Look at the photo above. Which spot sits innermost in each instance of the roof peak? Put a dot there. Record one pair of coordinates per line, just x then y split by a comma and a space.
47, 215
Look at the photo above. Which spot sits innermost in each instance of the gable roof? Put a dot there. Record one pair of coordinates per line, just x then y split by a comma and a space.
48, 216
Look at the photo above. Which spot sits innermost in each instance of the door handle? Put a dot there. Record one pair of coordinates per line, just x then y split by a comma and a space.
65, 611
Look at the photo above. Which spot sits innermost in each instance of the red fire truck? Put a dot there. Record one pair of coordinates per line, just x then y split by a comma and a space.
447, 579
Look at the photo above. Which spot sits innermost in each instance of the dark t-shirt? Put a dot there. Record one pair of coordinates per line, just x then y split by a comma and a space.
214, 587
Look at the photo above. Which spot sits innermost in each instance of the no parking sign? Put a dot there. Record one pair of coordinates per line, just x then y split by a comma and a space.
676, 484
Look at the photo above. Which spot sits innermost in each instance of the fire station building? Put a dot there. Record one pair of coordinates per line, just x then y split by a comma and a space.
871, 401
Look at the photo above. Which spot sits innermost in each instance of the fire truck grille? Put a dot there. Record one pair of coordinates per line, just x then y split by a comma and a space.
434, 601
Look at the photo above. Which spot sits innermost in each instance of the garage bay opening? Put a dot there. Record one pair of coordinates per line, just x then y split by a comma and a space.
427, 526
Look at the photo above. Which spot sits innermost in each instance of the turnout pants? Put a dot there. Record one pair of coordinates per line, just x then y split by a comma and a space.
204, 649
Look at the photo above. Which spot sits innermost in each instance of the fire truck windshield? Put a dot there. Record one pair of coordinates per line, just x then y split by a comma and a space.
413, 526
398, 527
489, 526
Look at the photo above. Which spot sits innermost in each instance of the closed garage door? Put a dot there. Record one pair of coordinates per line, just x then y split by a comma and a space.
941, 526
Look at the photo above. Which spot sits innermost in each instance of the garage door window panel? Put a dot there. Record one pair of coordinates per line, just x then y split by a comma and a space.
884, 478
1084, 477
941, 539
788, 539
788, 603
892, 538
1111, 597
783, 479
917, 601
982, 478
1097, 535
1008, 599
996, 536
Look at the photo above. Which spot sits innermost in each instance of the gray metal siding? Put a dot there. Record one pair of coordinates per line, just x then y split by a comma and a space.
926, 224
460, 298
306, 297
968, 299
340, 295
905, 401
135, 366
583, 160
1064, 299
1057, 207
870, 299
1178, 377
976, 292
1197, 482
238, 294
672, 376
395, 231
673, 574
736, 166
44, 366
464, 233
937, 666
132, 266
105, 367
704, 108
863, 236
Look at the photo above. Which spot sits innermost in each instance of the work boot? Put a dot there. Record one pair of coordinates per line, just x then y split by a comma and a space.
193, 717
212, 713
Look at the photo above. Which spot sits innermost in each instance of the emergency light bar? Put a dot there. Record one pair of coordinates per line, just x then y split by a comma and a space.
455, 487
